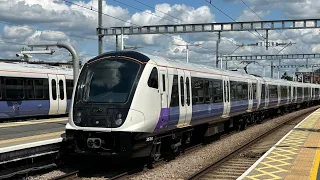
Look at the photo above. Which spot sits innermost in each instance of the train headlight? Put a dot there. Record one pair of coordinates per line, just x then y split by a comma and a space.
118, 120
78, 117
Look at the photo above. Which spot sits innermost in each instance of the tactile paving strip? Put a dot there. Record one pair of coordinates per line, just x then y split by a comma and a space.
284, 158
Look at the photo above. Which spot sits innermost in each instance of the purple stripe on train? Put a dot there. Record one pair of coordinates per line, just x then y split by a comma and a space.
163, 119
10, 109
201, 111
237, 106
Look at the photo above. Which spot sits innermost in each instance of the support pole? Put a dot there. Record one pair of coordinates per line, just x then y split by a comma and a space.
122, 43
117, 43
100, 37
279, 69
217, 49
226, 65
187, 49
271, 75
267, 39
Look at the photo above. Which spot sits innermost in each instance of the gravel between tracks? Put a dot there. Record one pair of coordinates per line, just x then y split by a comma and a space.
189, 163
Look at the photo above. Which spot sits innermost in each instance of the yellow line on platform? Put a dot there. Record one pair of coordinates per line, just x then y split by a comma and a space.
314, 171
32, 137
13, 124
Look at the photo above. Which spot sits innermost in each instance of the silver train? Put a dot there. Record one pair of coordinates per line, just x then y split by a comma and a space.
29, 90
128, 104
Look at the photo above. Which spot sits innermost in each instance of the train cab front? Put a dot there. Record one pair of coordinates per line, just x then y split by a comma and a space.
101, 103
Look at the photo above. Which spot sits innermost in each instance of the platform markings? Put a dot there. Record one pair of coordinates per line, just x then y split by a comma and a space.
281, 158
32, 137
315, 169
257, 163
30, 145
13, 124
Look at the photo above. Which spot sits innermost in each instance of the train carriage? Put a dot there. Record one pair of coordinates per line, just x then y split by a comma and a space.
131, 104
28, 90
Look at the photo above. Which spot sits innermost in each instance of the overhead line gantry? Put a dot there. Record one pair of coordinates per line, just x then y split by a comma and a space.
211, 27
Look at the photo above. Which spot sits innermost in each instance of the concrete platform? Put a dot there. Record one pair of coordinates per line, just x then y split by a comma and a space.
21, 135
295, 156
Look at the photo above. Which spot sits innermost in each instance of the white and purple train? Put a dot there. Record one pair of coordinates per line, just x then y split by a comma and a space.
134, 105
30, 90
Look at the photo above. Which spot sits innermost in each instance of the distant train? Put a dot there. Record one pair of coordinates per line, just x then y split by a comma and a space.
135, 105
28, 90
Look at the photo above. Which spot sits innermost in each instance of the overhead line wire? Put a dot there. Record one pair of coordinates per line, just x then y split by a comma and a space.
67, 1
268, 24
181, 20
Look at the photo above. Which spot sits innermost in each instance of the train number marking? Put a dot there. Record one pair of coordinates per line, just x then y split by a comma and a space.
149, 139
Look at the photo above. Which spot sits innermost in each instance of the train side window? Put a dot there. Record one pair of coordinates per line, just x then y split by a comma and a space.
30, 89
175, 92
211, 95
69, 88
254, 90
305, 92
228, 89
38, 89
163, 82
299, 92
233, 90
283, 91
197, 90
244, 91
217, 91
188, 91
263, 91
46, 89
289, 91
182, 90
206, 92
239, 92
54, 89
61, 89
153, 79
1, 87
14, 88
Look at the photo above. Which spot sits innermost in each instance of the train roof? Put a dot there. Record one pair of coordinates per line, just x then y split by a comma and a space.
35, 68
165, 62
198, 67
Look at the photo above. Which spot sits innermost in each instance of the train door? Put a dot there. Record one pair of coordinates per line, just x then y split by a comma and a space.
288, 94
250, 96
164, 89
62, 94
226, 96
182, 102
188, 97
266, 94
53, 94
57, 94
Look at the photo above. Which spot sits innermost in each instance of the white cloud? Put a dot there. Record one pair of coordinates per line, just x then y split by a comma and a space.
16, 32
63, 20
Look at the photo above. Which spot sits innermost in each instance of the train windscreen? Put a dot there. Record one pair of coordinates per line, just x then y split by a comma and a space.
107, 81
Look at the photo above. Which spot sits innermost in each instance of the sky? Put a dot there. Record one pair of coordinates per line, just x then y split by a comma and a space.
24, 22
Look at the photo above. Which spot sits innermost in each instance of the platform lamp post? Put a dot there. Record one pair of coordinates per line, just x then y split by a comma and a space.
75, 56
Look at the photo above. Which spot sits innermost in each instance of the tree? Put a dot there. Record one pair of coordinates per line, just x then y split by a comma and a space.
285, 76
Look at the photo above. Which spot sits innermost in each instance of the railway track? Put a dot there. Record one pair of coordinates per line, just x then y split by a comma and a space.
237, 162
68, 176
229, 167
